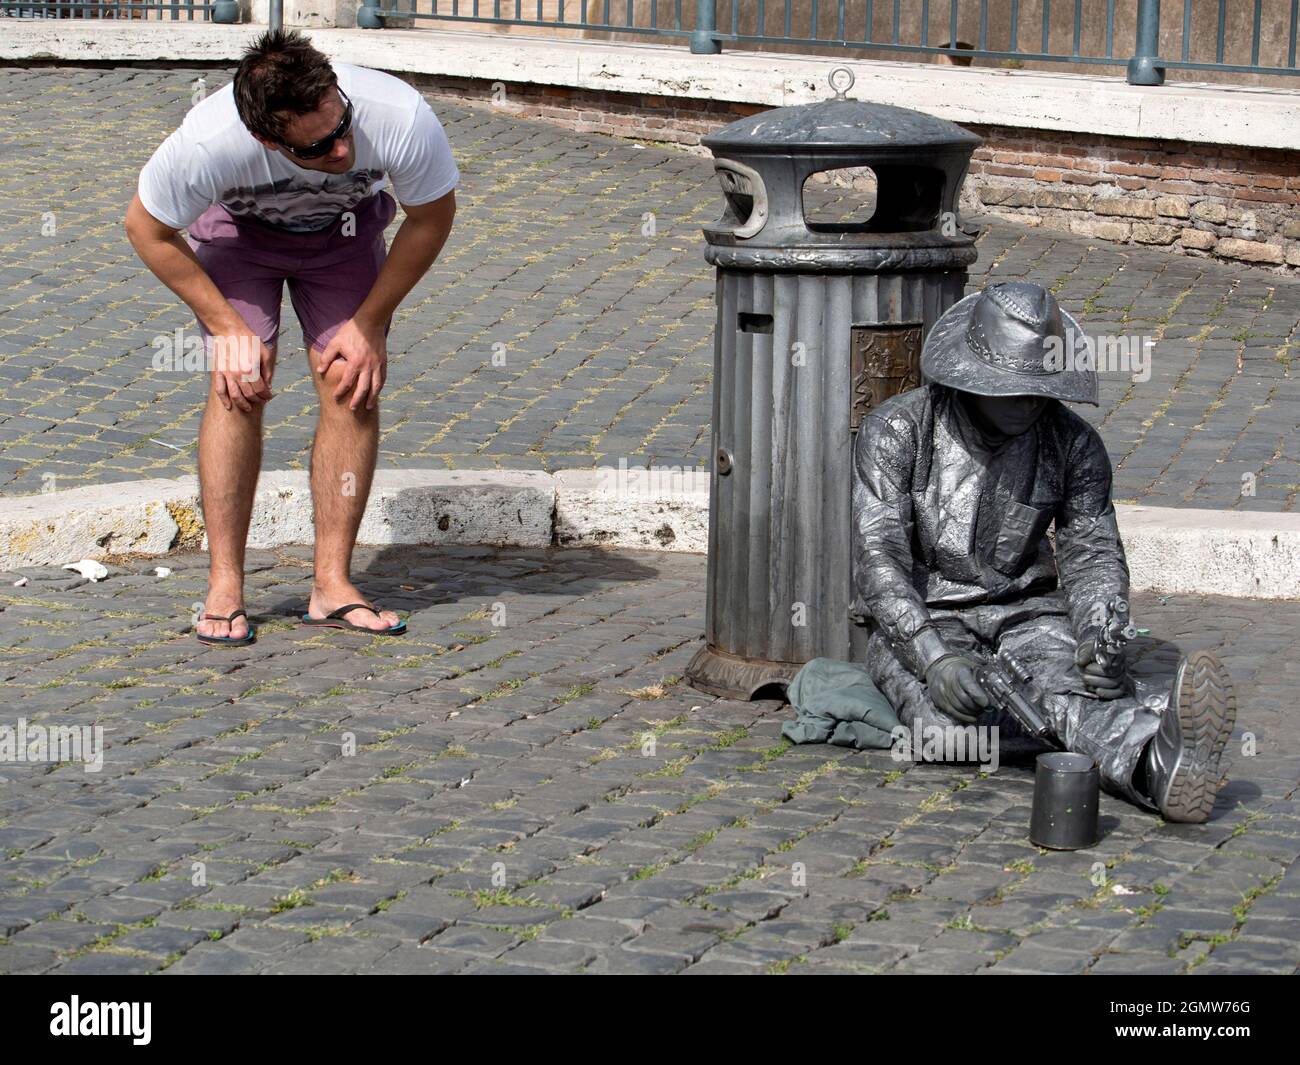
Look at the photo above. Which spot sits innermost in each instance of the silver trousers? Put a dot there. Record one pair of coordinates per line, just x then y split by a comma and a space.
1037, 631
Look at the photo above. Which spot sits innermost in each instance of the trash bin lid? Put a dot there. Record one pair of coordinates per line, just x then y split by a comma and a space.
838, 125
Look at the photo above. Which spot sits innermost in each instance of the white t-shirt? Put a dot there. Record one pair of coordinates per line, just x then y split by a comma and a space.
213, 158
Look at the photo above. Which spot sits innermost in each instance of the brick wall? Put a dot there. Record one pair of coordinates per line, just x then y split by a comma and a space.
1199, 199
679, 121
1195, 199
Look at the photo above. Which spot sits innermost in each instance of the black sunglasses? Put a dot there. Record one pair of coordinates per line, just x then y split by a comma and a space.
316, 149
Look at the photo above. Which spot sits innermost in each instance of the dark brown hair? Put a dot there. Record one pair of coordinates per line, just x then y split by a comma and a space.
280, 77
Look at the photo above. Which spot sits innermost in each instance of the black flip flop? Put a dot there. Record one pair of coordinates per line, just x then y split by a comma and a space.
233, 641
337, 620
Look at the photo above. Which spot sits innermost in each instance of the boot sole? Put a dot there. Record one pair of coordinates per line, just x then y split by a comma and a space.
1207, 711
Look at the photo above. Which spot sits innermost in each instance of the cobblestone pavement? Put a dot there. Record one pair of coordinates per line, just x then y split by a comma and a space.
523, 784
606, 326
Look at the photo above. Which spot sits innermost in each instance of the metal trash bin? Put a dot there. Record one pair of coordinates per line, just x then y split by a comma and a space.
817, 323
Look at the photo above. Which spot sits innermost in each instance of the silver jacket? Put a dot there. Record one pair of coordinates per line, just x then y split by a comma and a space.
941, 519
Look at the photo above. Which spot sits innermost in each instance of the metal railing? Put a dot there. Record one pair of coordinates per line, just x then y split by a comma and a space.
1244, 36
152, 10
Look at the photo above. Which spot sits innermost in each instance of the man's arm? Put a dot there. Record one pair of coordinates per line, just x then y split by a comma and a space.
884, 464
884, 461
1089, 555
361, 342
174, 263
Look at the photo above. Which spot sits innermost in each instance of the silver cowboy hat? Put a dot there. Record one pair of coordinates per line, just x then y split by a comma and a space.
1012, 339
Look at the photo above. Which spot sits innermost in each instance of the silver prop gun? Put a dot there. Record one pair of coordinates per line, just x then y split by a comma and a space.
1011, 688
1116, 632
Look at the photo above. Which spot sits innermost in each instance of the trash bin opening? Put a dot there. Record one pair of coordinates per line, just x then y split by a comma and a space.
748, 322
745, 197
883, 198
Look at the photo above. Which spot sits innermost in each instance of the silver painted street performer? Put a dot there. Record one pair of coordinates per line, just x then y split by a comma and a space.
955, 485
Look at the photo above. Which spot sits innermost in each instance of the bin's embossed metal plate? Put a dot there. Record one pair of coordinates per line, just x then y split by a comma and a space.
886, 361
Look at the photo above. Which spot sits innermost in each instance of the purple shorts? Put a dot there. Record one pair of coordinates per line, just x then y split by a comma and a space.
330, 273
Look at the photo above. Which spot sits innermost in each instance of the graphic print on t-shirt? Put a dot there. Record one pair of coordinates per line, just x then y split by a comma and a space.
300, 206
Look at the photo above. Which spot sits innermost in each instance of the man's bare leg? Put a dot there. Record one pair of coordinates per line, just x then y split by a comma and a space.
230, 459
342, 468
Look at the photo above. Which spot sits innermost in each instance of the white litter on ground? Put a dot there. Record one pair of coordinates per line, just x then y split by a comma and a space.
89, 568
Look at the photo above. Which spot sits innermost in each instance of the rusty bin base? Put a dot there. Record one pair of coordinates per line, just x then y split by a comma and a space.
730, 677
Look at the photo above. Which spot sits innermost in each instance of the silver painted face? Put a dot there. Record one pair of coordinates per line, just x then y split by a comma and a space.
1010, 415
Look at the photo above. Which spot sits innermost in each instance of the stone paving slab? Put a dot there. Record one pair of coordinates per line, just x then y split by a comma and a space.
523, 784
605, 321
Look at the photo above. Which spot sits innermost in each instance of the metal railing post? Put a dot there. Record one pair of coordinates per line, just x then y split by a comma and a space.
1145, 67
704, 40
276, 16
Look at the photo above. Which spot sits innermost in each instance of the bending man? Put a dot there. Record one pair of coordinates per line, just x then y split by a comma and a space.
280, 178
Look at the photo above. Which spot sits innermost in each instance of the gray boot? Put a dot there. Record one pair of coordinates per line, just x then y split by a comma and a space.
1182, 760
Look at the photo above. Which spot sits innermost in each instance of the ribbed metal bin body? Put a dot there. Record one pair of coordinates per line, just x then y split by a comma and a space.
779, 521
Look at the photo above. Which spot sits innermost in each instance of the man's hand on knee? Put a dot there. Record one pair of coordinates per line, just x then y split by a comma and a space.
362, 350
241, 370
954, 689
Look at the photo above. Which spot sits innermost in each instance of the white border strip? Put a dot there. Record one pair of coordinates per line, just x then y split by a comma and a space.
1245, 554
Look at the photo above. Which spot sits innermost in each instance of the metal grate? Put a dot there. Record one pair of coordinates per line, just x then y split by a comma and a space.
1249, 36
154, 10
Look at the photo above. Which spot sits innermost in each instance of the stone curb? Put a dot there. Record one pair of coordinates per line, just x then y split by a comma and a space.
1251, 555
451, 507
1084, 103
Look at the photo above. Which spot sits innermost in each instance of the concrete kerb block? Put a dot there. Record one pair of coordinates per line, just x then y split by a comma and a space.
1212, 552
451, 507
147, 517
633, 509
495, 508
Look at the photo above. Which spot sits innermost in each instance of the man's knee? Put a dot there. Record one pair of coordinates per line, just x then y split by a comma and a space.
220, 384
335, 375
221, 394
